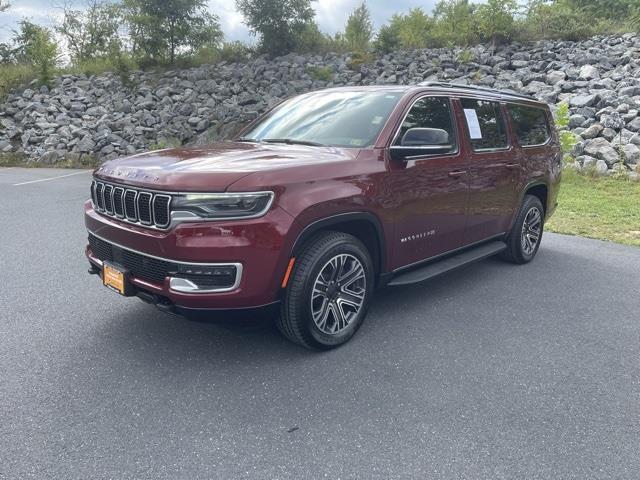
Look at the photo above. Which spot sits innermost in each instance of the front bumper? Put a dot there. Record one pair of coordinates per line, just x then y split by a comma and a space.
258, 247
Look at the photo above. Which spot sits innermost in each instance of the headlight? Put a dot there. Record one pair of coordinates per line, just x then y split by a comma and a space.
223, 205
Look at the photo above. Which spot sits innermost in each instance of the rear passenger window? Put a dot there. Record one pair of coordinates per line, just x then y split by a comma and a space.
530, 124
485, 124
433, 113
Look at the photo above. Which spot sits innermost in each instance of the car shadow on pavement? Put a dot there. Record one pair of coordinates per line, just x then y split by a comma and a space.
150, 333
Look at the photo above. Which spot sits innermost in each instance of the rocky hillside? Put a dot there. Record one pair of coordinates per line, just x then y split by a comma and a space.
104, 118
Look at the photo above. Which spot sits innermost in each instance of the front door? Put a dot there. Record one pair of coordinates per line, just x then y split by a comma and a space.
494, 170
429, 192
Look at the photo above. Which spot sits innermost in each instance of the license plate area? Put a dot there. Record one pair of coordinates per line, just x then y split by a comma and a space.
117, 278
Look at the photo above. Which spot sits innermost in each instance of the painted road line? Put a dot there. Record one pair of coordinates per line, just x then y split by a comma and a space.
51, 178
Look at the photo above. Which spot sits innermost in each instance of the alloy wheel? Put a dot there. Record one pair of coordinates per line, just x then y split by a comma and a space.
531, 230
338, 293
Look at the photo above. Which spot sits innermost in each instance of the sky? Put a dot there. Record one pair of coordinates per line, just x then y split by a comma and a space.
331, 15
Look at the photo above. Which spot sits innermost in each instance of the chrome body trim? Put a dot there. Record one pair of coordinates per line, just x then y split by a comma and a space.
174, 217
182, 287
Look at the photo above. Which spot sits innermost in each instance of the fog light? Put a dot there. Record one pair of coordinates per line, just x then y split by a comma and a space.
206, 278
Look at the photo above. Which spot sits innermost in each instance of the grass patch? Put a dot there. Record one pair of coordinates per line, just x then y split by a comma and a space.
601, 208
321, 73
13, 76
74, 161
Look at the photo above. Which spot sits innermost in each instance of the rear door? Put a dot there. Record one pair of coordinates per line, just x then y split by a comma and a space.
494, 169
428, 193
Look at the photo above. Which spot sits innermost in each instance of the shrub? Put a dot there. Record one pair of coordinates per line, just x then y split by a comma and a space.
14, 75
321, 73
465, 56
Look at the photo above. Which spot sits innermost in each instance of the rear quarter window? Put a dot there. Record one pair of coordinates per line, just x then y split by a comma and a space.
530, 124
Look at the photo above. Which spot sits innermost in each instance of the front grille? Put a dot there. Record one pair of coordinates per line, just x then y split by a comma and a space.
132, 205
156, 270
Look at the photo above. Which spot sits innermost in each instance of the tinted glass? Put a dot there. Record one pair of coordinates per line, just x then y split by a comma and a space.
337, 118
530, 124
485, 124
429, 112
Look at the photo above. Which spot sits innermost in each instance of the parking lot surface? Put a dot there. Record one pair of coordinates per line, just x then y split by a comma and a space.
492, 372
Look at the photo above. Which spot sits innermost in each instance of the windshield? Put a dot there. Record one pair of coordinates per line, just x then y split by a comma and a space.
336, 118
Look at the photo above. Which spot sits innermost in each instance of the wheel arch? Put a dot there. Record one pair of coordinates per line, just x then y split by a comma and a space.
539, 190
365, 226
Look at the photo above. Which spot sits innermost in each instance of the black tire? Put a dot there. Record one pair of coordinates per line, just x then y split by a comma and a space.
307, 298
520, 247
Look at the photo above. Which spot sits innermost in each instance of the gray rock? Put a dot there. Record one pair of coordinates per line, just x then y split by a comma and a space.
86, 145
586, 161
589, 72
601, 168
584, 100
555, 76
602, 150
49, 158
631, 153
593, 131
634, 125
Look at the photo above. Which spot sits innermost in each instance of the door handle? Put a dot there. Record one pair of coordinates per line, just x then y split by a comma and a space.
457, 173
512, 166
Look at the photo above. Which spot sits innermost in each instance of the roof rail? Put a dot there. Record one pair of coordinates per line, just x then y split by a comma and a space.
462, 86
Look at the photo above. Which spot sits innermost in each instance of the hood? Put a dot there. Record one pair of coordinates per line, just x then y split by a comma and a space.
214, 167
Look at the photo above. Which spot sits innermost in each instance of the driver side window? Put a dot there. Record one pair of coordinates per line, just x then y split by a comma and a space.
431, 113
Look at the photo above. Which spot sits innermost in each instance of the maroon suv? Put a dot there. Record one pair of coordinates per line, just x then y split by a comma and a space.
327, 197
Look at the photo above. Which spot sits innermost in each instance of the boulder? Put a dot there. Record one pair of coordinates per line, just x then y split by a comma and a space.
589, 72
631, 153
602, 150
601, 168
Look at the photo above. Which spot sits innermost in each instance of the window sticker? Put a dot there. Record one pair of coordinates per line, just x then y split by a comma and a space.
472, 122
377, 120
356, 142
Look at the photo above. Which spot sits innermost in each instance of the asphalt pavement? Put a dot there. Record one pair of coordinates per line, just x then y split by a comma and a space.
492, 372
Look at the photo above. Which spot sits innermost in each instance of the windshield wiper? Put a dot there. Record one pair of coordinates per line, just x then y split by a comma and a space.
293, 141
247, 139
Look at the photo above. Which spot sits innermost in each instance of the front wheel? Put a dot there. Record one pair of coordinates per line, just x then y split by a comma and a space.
524, 239
328, 293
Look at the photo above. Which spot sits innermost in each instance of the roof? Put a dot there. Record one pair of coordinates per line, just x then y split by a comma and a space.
457, 88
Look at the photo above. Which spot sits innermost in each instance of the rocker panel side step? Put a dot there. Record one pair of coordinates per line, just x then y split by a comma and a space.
448, 264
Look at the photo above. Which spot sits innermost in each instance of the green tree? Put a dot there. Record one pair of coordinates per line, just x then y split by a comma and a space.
411, 30
160, 29
91, 33
359, 29
279, 23
454, 22
414, 29
496, 20
388, 38
36, 46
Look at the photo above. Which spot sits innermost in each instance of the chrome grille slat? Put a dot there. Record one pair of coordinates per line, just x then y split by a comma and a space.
161, 213
130, 200
139, 207
100, 196
118, 202
107, 193
144, 208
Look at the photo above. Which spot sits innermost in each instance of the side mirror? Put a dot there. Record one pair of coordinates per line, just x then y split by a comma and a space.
418, 142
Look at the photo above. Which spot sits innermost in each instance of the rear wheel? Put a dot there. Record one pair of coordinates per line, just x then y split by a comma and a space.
524, 239
328, 293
